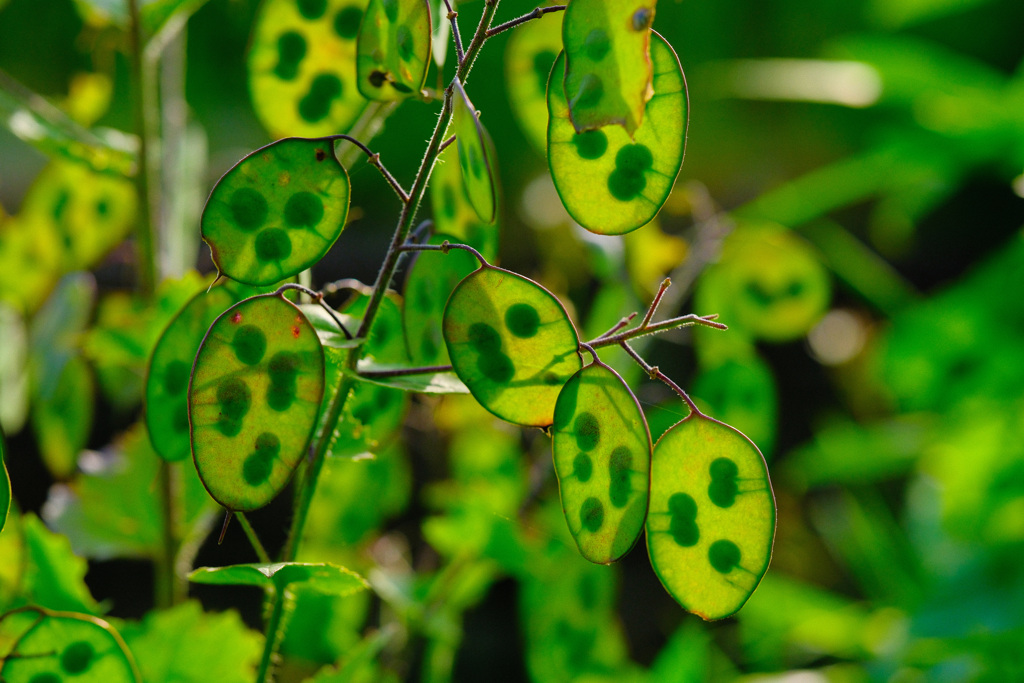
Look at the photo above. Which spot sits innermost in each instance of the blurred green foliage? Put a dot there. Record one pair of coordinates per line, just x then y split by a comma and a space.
850, 204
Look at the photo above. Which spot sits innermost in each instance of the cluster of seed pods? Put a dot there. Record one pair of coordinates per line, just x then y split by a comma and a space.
702, 493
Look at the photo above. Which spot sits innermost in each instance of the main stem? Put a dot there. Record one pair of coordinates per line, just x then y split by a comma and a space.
387, 272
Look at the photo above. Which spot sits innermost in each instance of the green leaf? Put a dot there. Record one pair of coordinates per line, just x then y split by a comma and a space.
5, 487
14, 382
393, 49
170, 367
62, 386
54, 576
56, 646
112, 509
607, 71
321, 577
512, 343
476, 157
254, 398
62, 418
602, 452
277, 211
430, 282
768, 283
711, 521
302, 66
30, 263
187, 645
51, 131
453, 214
89, 212
609, 183
531, 51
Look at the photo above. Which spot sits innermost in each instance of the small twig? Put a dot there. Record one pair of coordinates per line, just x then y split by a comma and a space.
654, 373
445, 247
444, 145
347, 283
250, 533
374, 160
619, 325
452, 17
529, 16
670, 324
657, 300
404, 372
318, 298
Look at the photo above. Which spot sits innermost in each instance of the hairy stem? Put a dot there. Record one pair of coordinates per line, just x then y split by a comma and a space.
453, 18
670, 324
387, 272
375, 161
529, 16
445, 247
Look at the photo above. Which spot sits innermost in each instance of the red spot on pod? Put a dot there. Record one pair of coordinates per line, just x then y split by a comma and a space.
236, 318
296, 331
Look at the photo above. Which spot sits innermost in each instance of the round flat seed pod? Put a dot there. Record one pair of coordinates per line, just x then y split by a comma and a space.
253, 400
302, 66
430, 282
769, 283
453, 214
531, 51
53, 647
607, 70
711, 522
476, 157
512, 343
393, 50
611, 184
277, 211
170, 367
602, 453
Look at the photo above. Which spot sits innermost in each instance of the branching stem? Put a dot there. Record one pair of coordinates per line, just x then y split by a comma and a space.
453, 18
446, 143
374, 160
318, 298
640, 330
529, 16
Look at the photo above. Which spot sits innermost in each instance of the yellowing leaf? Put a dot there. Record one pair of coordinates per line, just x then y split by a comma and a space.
609, 182
711, 522
607, 70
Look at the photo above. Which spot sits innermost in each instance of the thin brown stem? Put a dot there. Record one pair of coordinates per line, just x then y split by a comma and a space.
654, 373
670, 324
446, 143
374, 159
452, 17
318, 298
624, 322
384, 276
445, 247
404, 372
529, 16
